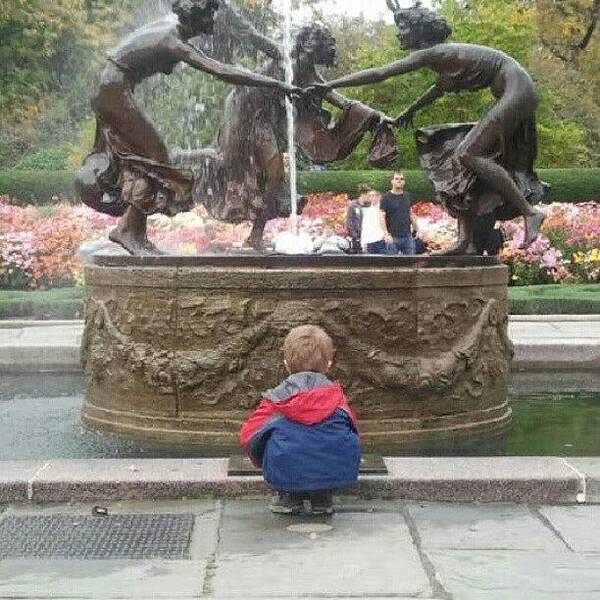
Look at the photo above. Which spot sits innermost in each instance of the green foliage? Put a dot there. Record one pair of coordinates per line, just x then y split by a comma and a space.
51, 53
569, 134
62, 303
346, 182
49, 159
554, 300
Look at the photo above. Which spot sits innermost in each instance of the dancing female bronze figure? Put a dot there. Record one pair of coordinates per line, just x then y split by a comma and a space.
499, 151
243, 176
130, 172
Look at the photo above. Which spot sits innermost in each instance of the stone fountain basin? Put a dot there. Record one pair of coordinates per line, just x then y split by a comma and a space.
178, 348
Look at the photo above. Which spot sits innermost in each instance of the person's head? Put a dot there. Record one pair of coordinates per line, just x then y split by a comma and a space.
363, 191
398, 183
374, 197
196, 16
418, 27
308, 348
315, 42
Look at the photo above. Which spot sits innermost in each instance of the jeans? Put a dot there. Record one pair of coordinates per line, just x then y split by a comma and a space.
403, 245
377, 248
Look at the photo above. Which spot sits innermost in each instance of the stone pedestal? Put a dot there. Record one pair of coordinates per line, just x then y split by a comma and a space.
178, 348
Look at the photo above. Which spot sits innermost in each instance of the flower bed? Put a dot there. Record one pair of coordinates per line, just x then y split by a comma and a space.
39, 245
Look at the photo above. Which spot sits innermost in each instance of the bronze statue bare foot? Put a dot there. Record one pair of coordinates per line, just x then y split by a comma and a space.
533, 224
132, 244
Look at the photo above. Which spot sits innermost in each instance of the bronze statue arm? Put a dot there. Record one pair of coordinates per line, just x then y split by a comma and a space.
247, 30
228, 73
341, 102
430, 96
412, 62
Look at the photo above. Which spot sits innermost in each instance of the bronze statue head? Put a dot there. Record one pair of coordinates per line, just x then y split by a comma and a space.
317, 42
196, 16
418, 27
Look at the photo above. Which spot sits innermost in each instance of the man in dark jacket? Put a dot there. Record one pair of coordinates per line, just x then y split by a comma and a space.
354, 218
303, 433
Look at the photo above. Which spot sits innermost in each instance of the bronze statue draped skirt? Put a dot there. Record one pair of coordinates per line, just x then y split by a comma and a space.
129, 164
246, 176
498, 136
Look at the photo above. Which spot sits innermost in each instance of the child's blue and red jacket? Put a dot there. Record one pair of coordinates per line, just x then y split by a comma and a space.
304, 435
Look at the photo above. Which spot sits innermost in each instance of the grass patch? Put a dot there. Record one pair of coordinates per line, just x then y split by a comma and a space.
581, 299
58, 304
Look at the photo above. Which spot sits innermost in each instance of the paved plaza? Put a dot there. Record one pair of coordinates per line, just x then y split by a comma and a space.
238, 549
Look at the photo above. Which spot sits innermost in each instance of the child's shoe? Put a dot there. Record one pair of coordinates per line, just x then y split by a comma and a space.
287, 504
321, 503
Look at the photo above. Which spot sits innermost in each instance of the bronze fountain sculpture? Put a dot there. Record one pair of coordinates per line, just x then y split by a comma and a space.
480, 168
129, 172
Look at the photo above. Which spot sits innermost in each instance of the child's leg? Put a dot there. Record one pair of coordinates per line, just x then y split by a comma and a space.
286, 503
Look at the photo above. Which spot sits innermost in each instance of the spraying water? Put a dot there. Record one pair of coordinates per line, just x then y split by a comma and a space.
289, 109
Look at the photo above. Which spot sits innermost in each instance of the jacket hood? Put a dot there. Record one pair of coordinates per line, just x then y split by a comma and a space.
296, 383
308, 398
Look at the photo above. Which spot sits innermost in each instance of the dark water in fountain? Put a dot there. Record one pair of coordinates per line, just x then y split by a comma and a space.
40, 419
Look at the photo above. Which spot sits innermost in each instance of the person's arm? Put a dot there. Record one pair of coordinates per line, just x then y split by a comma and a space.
246, 29
192, 56
431, 95
387, 236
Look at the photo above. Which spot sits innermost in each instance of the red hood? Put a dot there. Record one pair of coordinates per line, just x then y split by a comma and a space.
313, 406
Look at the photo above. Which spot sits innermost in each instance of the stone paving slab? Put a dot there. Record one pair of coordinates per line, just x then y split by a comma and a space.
101, 579
116, 579
579, 526
258, 557
477, 527
517, 575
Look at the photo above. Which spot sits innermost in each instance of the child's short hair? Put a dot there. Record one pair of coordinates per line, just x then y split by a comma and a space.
308, 348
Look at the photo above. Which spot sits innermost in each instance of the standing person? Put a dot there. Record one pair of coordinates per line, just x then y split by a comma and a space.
303, 433
372, 236
397, 219
354, 218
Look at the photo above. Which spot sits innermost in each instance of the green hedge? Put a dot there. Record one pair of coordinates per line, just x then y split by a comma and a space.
36, 187
568, 185
61, 303
555, 300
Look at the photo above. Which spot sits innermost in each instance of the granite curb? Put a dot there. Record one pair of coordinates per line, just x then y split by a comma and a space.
500, 479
